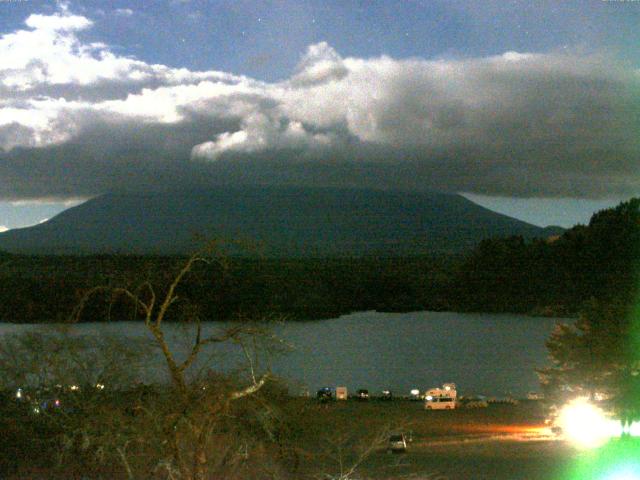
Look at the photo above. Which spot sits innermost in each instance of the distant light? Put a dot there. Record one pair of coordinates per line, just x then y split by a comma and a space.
429, 397
100, 386
57, 403
415, 392
74, 388
586, 425
19, 393
447, 388
36, 409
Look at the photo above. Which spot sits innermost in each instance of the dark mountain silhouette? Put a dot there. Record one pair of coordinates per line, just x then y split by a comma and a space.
285, 221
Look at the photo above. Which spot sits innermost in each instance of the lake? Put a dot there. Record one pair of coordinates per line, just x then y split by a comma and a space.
486, 354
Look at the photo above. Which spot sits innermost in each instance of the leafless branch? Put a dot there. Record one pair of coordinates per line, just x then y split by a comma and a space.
79, 308
251, 389
171, 297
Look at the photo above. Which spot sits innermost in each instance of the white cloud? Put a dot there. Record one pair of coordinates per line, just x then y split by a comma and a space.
261, 132
124, 12
518, 123
51, 54
321, 64
3, 228
57, 22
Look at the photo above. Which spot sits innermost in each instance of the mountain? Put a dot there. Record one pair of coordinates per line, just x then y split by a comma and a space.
286, 221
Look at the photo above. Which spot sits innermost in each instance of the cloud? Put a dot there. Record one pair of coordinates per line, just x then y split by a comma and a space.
260, 132
57, 22
77, 119
319, 65
3, 228
124, 12
49, 60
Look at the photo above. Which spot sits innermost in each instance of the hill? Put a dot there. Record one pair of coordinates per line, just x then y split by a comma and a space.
286, 221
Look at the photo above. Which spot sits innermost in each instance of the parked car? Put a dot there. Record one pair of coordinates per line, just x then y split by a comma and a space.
397, 443
441, 398
439, 403
324, 394
362, 394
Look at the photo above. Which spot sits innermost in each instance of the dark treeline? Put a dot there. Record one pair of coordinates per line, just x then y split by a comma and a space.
553, 276
556, 276
47, 288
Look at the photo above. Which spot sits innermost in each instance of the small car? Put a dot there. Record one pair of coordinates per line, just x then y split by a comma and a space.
362, 394
324, 394
386, 395
397, 443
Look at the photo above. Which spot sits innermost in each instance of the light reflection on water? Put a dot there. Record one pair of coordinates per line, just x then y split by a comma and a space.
483, 354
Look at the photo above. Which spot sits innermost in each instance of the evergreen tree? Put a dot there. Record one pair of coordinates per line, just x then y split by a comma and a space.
597, 357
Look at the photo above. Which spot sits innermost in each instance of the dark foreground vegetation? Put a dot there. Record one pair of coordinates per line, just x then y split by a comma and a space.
126, 434
553, 276
275, 436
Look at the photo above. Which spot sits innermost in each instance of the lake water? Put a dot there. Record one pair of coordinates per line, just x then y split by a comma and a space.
481, 353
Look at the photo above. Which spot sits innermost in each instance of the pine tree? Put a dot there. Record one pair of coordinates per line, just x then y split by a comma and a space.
597, 357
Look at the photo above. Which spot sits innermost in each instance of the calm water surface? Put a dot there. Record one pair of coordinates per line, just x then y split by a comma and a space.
481, 353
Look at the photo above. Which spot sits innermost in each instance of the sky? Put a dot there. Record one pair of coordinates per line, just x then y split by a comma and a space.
529, 108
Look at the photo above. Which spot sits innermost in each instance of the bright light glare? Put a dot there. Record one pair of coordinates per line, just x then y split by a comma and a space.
629, 473
586, 425
415, 392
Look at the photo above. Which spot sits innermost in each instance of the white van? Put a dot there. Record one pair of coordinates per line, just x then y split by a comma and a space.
439, 403
441, 398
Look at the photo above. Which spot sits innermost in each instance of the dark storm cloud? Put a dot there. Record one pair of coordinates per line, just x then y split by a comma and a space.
78, 120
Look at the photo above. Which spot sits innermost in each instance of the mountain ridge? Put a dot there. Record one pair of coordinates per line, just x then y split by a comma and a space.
286, 221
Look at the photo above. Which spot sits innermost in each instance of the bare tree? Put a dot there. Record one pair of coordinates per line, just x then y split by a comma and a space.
347, 457
53, 356
189, 429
